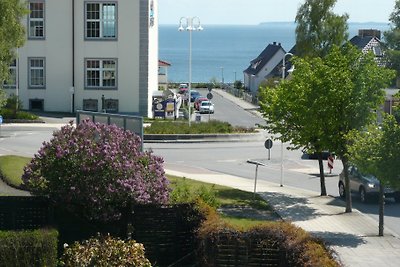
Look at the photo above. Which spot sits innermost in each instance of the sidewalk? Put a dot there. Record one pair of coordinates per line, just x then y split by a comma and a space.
353, 236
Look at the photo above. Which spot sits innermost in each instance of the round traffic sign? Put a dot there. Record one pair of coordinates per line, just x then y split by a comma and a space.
268, 144
209, 96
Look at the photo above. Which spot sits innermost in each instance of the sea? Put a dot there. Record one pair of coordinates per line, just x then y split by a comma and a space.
223, 52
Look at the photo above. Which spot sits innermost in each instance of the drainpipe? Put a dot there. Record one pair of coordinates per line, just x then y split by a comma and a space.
73, 58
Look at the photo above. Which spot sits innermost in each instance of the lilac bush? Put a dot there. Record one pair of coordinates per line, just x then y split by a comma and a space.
95, 169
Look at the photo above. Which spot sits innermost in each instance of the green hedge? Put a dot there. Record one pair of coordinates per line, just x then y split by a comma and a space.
28, 248
9, 114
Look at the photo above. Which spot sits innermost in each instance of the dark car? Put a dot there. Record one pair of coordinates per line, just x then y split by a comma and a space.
314, 155
366, 185
193, 95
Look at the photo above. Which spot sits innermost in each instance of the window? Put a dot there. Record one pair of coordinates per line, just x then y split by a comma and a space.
101, 20
101, 73
36, 104
90, 104
111, 105
36, 73
36, 19
12, 79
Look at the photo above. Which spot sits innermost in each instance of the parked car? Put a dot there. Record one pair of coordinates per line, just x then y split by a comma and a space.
193, 95
206, 107
198, 100
366, 185
183, 88
308, 155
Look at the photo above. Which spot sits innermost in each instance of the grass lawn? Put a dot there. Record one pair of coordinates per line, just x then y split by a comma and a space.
11, 168
230, 197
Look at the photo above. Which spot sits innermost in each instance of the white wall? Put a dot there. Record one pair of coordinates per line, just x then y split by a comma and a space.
57, 48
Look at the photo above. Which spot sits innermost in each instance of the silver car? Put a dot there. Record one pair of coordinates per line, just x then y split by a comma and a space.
366, 185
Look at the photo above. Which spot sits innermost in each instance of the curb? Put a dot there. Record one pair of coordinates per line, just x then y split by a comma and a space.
194, 138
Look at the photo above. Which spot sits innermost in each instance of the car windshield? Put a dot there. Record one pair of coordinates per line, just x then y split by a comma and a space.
205, 103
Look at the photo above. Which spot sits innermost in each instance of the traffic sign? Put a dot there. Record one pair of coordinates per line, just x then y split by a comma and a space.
209, 96
1, 119
268, 144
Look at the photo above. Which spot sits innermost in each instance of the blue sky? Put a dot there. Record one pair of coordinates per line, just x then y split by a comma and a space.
256, 11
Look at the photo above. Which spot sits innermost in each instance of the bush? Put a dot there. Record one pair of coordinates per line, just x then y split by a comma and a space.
9, 114
96, 169
183, 193
210, 127
105, 251
28, 248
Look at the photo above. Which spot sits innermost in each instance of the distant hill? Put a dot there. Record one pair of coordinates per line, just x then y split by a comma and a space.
351, 24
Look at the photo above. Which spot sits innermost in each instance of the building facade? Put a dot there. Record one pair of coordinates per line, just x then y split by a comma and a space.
262, 66
96, 55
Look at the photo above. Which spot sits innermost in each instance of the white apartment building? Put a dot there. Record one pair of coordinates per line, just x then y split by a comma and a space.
88, 55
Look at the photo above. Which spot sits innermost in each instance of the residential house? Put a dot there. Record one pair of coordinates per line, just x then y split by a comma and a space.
163, 74
261, 67
88, 55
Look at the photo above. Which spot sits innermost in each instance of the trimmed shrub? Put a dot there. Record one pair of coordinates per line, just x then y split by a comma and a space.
292, 245
9, 114
28, 248
105, 251
95, 169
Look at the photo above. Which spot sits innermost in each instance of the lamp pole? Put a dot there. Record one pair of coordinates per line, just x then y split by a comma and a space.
283, 78
222, 75
190, 24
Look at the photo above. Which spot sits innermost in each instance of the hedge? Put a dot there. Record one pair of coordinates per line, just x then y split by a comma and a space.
28, 248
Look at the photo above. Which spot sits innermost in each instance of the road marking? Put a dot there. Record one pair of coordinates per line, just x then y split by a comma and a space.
227, 160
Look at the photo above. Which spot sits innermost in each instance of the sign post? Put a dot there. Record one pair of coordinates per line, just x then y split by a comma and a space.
268, 145
330, 163
255, 178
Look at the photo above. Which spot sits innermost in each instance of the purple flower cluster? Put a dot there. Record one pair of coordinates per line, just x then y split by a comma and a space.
96, 169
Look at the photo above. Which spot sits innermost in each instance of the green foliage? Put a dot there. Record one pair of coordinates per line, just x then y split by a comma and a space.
325, 99
11, 168
318, 28
183, 192
28, 248
392, 39
238, 84
376, 151
21, 115
105, 251
179, 127
12, 33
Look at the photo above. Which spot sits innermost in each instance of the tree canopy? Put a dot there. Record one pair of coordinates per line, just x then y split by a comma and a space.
392, 39
318, 28
325, 99
12, 34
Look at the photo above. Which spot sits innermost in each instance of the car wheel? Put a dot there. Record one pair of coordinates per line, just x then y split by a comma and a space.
342, 192
363, 195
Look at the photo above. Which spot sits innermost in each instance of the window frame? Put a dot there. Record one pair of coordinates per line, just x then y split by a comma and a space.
30, 86
101, 21
33, 37
87, 100
101, 70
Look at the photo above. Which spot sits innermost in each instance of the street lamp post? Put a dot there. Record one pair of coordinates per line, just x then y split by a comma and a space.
283, 78
222, 76
190, 24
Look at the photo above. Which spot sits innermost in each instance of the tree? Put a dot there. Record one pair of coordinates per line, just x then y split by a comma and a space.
376, 151
324, 100
318, 28
392, 39
95, 169
12, 34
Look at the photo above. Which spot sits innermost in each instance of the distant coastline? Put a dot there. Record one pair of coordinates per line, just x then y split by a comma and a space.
352, 23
